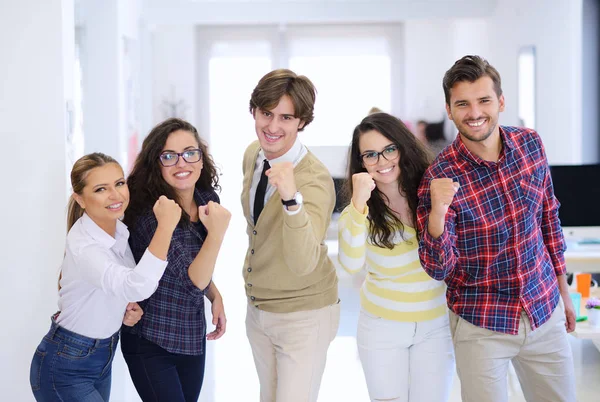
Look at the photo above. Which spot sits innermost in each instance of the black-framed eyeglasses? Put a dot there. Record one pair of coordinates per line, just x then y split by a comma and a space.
172, 158
390, 153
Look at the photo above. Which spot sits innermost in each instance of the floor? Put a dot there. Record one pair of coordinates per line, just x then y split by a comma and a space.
230, 374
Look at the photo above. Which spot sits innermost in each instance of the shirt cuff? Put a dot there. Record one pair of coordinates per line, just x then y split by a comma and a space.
151, 267
291, 213
434, 246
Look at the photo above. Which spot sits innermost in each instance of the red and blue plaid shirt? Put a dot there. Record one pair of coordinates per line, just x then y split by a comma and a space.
502, 246
174, 315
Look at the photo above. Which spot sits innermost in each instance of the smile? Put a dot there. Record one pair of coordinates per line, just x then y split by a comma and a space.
476, 123
115, 206
272, 138
384, 171
182, 174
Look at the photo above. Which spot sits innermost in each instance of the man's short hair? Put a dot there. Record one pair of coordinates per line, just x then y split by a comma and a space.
470, 68
273, 86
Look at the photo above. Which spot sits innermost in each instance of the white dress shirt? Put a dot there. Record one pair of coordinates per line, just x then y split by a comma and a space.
99, 278
294, 155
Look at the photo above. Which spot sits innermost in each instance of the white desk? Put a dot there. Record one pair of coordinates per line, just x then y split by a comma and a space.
583, 259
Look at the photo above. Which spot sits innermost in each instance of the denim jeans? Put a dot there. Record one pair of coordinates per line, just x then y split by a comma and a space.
159, 375
70, 367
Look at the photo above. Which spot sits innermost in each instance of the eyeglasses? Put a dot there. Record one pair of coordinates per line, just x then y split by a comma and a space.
172, 158
390, 153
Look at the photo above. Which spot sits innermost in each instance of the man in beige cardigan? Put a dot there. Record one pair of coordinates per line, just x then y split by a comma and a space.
288, 198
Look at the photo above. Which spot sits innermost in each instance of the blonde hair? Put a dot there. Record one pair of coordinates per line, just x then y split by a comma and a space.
79, 173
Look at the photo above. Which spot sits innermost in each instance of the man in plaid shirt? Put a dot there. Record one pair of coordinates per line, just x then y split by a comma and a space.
489, 228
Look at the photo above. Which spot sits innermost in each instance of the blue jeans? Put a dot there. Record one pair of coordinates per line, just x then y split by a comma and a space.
71, 367
159, 375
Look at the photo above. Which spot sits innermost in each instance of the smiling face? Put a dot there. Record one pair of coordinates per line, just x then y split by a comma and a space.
105, 195
474, 108
183, 175
277, 129
384, 171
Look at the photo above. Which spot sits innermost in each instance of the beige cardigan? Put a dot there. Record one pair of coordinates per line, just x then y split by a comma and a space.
287, 268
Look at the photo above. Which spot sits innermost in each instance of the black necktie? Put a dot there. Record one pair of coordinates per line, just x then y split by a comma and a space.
261, 190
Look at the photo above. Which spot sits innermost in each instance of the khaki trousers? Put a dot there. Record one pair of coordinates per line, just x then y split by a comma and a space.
290, 351
542, 359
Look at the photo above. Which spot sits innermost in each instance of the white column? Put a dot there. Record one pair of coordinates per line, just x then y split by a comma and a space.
36, 73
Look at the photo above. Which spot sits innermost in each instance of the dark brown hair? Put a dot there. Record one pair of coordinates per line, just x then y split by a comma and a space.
79, 173
273, 86
413, 161
146, 182
470, 68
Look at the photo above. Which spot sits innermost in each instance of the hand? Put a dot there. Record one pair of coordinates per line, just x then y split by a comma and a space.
133, 313
442, 193
570, 315
219, 320
362, 186
281, 176
167, 213
215, 218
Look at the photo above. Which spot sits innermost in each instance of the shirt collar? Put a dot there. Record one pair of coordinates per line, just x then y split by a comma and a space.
507, 147
290, 156
100, 236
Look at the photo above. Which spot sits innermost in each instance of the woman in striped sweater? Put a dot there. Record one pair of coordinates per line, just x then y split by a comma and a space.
403, 335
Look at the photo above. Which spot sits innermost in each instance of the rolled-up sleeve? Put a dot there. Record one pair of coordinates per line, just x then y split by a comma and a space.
136, 284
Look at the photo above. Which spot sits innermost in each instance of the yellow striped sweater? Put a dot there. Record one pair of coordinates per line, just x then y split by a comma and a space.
396, 287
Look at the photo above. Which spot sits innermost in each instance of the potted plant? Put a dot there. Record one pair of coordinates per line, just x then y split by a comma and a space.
593, 307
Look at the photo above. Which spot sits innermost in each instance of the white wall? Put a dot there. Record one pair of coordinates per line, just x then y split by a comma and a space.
174, 74
591, 82
36, 70
554, 27
107, 123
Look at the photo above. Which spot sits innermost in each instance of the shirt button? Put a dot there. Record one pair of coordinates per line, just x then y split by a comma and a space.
249, 285
254, 232
252, 298
252, 251
249, 269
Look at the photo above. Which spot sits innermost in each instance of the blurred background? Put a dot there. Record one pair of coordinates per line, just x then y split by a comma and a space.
78, 76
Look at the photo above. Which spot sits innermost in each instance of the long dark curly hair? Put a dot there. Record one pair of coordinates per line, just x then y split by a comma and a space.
146, 182
413, 161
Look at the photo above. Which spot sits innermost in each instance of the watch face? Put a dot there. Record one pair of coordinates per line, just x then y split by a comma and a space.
298, 197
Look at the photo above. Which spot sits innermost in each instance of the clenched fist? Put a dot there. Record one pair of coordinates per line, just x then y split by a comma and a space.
362, 186
215, 218
167, 213
442, 193
281, 176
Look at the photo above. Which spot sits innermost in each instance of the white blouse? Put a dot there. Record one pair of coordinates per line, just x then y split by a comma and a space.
99, 278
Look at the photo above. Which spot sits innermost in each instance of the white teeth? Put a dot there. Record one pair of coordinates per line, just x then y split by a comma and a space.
271, 137
476, 124
386, 170
182, 174
115, 206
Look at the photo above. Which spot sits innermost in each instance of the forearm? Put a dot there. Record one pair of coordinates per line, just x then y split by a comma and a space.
202, 268
352, 237
212, 293
435, 225
563, 286
301, 246
159, 245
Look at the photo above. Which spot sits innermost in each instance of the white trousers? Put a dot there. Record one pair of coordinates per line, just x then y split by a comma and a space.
406, 361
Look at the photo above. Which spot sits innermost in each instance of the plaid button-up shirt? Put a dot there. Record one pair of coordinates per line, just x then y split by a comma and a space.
174, 315
502, 247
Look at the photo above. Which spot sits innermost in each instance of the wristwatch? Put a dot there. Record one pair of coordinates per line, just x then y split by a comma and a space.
297, 200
